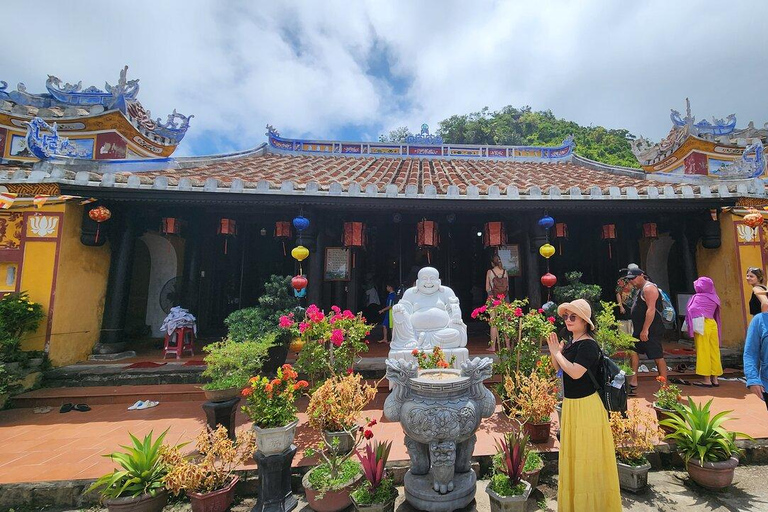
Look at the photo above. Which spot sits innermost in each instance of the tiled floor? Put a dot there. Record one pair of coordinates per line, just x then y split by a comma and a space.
54, 446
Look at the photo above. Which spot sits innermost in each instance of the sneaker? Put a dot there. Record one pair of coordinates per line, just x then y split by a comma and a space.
642, 369
136, 405
147, 405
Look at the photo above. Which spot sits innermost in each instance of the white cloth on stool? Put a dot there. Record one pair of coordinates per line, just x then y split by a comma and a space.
179, 317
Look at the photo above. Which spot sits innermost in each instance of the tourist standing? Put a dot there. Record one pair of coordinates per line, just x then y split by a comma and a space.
756, 356
496, 285
589, 477
702, 318
648, 326
758, 302
386, 321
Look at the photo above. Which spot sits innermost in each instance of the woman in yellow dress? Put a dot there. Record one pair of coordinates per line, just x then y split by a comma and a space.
589, 477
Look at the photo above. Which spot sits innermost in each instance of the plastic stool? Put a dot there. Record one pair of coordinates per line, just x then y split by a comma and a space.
178, 341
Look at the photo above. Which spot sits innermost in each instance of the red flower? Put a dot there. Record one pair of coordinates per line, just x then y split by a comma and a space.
415, 352
350, 371
551, 319
247, 392
275, 382
496, 302
368, 434
518, 312
372, 423
661, 379
500, 296
302, 384
541, 310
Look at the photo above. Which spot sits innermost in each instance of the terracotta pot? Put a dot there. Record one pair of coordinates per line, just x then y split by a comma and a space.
272, 441
216, 501
532, 477
143, 503
296, 345
713, 475
633, 478
221, 395
509, 503
376, 507
346, 441
663, 414
537, 432
331, 501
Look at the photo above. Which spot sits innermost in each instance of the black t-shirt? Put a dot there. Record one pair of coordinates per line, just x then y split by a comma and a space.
639, 308
585, 352
755, 306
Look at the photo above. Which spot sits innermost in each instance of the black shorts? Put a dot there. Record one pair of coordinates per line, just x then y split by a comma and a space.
651, 348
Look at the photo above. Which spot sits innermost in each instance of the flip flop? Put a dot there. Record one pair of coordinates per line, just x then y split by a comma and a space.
136, 405
147, 405
715, 384
42, 410
82, 408
703, 385
679, 381
66, 408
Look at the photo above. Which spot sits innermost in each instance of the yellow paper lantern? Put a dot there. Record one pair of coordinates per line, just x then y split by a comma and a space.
547, 250
300, 253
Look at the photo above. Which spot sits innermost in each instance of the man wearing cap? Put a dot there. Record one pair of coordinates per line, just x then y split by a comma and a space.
648, 325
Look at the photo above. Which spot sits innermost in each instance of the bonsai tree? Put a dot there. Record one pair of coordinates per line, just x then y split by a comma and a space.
231, 364
255, 322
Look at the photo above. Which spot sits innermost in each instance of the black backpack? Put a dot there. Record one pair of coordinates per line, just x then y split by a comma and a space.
614, 398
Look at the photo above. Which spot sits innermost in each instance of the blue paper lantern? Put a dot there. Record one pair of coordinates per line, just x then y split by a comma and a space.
546, 222
300, 223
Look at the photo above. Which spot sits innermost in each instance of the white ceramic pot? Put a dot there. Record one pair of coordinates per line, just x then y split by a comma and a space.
271, 441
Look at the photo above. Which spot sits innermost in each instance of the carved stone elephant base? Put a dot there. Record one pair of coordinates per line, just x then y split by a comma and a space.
421, 495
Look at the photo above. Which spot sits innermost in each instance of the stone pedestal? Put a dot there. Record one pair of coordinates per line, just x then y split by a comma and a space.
462, 356
420, 494
275, 482
222, 413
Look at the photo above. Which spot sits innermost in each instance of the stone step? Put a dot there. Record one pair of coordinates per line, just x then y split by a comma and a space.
87, 375
108, 395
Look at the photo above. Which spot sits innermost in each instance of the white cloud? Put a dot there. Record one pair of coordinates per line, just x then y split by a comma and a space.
305, 67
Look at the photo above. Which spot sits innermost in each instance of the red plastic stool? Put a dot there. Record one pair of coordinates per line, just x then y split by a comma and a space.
178, 341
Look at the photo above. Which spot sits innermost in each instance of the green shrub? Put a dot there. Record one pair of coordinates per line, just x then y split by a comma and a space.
231, 363
575, 289
19, 315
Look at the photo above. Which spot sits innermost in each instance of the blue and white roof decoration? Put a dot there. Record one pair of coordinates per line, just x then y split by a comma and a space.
703, 127
423, 145
47, 145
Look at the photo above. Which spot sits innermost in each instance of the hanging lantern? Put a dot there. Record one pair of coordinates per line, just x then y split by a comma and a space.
547, 251
546, 222
300, 253
170, 226
754, 218
650, 230
99, 214
300, 223
494, 234
548, 280
427, 236
299, 282
283, 232
608, 232
354, 234
227, 227
561, 233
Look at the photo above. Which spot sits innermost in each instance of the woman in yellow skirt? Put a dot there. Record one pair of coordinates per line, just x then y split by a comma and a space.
702, 316
589, 477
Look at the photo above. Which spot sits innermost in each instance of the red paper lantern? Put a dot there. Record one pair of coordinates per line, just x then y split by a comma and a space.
549, 280
99, 214
650, 230
494, 234
427, 234
282, 230
170, 226
561, 230
754, 218
299, 283
608, 232
354, 234
227, 227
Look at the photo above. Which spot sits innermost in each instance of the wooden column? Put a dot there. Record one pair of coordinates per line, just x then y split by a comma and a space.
531, 264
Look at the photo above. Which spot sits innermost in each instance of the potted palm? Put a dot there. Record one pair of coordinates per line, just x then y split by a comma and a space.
507, 490
708, 449
633, 437
271, 405
139, 486
532, 398
378, 492
230, 363
667, 400
208, 477
335, 407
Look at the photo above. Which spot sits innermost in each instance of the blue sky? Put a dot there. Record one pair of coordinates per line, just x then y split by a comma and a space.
353, 70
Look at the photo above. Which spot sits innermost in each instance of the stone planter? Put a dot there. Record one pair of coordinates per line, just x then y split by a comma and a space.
713, 475
440, 411
143, 503
376, 507
216, 501
633, 478
345, 439
509, 503
663, 414
538, 432
272, 441
331, 501
221, 395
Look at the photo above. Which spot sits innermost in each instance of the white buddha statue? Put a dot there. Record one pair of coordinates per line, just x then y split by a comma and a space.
428, 315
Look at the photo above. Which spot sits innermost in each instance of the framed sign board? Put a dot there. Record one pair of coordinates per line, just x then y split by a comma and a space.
682, 303
337, 264
510, 259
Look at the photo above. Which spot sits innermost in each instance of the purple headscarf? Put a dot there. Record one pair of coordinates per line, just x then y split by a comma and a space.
704, 303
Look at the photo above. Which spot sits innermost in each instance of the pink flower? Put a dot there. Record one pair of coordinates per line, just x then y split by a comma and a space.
303, 326
348, 315
482, 308
285, 322
551, 319
332, 320
541, 310
496, 302
337, 337
336, 309
518, 312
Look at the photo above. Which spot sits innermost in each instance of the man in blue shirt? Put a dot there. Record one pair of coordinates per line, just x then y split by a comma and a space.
756, 356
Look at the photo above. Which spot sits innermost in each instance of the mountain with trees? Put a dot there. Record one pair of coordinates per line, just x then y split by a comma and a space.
512, 126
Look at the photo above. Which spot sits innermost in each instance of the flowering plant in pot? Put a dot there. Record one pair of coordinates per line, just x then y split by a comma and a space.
332, 342
434, 360
707, 447
532, 468
667, 399
532, 398
230, 364
271, 404
335, 407
208, 476
507, 490
377, 492
140, 484
633, 436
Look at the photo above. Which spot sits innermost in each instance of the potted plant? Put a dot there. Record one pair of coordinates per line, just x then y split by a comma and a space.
335, 407
608, 334
633, 437
272, 408
328, 485
507, 490
708, 449
667, 400
139, 485
230, 364
532, 468
378, 492
208, 477
533, 399
434, 360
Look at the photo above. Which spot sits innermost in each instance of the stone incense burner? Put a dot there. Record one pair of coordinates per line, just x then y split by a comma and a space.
440, 411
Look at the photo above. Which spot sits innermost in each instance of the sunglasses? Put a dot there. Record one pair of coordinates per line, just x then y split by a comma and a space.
570, 318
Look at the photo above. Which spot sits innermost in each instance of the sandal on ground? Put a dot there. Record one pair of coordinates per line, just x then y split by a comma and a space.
679, 381
715, 384
703, 385
147, 405
66, 408
82, 408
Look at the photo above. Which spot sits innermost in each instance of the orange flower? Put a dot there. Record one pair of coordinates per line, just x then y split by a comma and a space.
661, 379
268, 388
275, 382
302, 384
247, 392
253, 379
